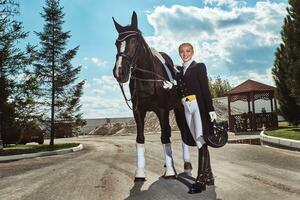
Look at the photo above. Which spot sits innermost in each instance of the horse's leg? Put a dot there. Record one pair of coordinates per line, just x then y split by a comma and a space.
180, 120
139, 116
163, 116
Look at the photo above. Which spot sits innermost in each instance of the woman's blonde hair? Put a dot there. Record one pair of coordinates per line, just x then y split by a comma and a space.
186, 44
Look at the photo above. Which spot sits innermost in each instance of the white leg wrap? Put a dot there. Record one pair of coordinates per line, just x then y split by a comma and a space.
168, 154
186, 153
140, 156
140, 161
169, 160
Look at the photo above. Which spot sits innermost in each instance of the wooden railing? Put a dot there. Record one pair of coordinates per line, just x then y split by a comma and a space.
250, 122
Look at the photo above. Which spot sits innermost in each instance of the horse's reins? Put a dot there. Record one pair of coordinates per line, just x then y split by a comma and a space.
149, 72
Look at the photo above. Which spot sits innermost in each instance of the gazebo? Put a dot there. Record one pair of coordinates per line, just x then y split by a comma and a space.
249, 91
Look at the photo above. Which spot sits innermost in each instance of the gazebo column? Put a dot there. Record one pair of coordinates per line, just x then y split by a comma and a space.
248, 100
229, 114
248, 115
276, 117
253, 112
271, 104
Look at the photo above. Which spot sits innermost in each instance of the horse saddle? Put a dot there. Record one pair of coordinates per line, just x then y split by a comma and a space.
167, 63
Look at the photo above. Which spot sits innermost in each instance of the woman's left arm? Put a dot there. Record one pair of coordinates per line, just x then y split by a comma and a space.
205, 89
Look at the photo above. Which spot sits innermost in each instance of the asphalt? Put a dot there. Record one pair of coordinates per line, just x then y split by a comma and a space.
255, 138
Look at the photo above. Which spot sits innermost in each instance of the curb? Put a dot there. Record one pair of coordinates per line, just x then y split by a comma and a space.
280, 142
253, 141
40, 154
248, 138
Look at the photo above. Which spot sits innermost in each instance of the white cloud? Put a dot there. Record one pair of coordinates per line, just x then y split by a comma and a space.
103, 98
235, 40
230, 3
101, 107
265, 77
96, 61
106, 83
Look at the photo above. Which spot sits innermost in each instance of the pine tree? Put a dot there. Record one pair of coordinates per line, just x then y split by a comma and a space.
286, 66
14, 62
294, 12
54, 68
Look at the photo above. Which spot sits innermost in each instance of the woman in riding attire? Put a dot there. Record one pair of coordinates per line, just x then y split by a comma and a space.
192, 86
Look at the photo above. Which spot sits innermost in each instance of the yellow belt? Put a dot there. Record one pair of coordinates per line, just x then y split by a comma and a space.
190, 98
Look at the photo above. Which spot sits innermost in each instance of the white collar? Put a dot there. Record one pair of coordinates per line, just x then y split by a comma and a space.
187, 64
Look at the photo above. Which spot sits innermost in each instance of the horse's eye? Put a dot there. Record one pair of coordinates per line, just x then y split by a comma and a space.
133, 40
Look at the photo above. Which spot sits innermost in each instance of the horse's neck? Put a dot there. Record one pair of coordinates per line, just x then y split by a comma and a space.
145, 60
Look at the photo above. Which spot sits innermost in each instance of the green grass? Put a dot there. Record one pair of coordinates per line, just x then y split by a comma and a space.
23, 149
285, 131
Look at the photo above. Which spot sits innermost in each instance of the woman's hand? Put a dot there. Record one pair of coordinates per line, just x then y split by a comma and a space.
167, 85
213, 116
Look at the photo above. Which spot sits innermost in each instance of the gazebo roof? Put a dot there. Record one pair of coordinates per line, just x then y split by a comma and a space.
250, 86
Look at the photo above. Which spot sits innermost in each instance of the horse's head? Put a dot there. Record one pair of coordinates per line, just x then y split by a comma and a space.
127, 46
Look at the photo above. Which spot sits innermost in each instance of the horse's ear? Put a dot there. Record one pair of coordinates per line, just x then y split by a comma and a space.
134, 22
118, 26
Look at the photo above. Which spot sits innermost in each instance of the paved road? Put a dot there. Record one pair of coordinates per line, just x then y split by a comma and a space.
105, 170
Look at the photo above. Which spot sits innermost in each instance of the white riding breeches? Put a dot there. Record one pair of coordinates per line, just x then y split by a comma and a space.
193, 119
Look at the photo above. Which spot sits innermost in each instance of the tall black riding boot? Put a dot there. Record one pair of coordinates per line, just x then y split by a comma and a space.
200, 183
208, 173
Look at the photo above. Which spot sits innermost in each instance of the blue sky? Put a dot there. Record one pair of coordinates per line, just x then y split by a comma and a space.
235, 38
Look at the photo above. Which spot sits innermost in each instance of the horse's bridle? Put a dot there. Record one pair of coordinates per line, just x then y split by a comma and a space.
133, 67
123, 54
130, 59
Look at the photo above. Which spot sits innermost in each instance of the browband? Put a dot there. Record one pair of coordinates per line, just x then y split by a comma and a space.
131, 33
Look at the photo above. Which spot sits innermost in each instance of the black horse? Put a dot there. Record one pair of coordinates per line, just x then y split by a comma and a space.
147, 70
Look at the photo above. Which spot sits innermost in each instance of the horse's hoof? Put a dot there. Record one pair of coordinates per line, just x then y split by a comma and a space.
140, 175
139, 179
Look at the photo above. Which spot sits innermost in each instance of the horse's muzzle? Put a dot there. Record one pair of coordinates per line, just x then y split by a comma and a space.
123, 75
